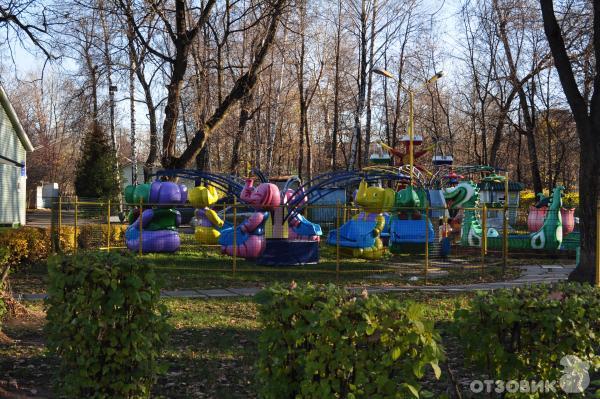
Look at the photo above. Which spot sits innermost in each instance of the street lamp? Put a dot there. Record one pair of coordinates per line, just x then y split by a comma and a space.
389, 75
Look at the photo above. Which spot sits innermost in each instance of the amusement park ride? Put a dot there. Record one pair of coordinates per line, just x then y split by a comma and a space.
398, 197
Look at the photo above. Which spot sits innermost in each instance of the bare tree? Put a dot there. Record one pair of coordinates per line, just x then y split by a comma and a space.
363, 15
26, 21
181, 37
587, 120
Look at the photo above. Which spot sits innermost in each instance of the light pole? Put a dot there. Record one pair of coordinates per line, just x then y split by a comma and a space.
411, 122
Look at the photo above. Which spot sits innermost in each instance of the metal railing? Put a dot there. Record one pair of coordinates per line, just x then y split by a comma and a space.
435, 243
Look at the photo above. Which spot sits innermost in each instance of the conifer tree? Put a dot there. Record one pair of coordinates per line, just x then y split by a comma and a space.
95, 175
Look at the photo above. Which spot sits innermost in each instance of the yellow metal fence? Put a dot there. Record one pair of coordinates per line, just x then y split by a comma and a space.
102, 225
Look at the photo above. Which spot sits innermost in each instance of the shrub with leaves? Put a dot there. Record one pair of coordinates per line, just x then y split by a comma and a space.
528, 198
571, 200
322, 342
105, 323
25, 245
96, 235
19, 248
66, 238
523, 333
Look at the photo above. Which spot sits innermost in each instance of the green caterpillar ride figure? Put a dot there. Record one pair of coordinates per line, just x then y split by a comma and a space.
549, 236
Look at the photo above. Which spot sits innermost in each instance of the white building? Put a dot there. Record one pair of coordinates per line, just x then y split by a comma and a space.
127, 173
14, 145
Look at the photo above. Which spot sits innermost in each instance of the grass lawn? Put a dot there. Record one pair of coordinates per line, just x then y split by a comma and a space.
211, 354
206, 268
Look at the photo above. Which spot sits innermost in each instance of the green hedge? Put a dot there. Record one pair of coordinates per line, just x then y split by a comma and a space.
105, 323
25, 245
322, 342
522, 334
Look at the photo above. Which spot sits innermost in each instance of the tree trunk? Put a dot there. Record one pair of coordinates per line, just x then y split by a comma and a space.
301, 134
386, 110
400, 75
397, 120
274, 115
301, 90
93, 71
497, 139
241, 88
132, 70
239, 135
179, 67
309, 161
527, 110
519, 168
370, 83
529, 132
362, 89
588, 129
203, 159
138, 60
108, 64
589, 187
153, 125
336, 93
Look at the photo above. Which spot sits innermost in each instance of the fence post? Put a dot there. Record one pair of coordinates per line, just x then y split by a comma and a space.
597, 244
108, 227
505, 226
505, 239
337, 241
59, 222
346, 210
140, 248
75, 225
234, 235
426, 241
483, 240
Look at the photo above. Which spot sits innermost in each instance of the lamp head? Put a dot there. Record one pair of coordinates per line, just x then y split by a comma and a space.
384, 73
435, 77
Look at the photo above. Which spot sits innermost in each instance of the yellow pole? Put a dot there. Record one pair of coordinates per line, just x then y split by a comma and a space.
385, 146
505, 227
506, 188
108, 227
411, 134
59, 221
426, 241
337, 241
75, 226
234, 235
597, 245
140, 248
346, 209
483, 236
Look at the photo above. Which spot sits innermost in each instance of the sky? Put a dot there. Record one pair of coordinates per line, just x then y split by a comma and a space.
446, 14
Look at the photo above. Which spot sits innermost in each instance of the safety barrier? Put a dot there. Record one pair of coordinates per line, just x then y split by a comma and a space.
419, 243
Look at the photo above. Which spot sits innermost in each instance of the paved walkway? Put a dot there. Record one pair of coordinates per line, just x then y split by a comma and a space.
530, 275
